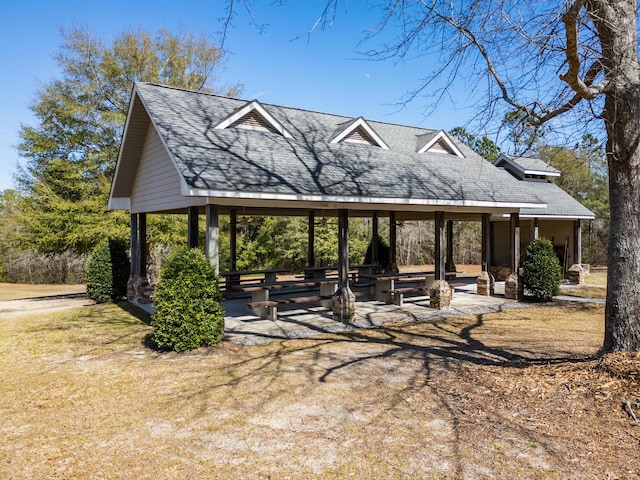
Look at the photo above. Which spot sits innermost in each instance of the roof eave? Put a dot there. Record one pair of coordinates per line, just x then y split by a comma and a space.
356, 200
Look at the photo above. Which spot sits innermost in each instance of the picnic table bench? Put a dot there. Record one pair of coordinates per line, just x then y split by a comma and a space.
397, 294
385, 285
263, 305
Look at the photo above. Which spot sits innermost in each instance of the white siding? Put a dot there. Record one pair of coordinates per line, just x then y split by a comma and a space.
157, 184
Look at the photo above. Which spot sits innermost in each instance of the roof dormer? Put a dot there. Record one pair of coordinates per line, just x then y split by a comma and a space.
526, 168
437, 142
253, 116
358, 131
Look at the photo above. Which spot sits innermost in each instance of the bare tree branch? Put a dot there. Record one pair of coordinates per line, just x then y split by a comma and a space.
572, 77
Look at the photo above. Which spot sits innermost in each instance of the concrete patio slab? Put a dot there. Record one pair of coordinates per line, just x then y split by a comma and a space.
242, 327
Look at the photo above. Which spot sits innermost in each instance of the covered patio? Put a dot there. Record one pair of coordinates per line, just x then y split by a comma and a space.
198, 154
243, 327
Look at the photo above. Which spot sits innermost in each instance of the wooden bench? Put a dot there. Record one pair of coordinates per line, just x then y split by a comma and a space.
311, 299
269, 308
397, 294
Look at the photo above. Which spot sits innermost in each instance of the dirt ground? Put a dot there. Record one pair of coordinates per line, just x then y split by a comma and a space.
513, 394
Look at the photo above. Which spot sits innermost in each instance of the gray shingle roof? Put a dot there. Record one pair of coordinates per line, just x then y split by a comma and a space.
308, 164
559, 203
527, 164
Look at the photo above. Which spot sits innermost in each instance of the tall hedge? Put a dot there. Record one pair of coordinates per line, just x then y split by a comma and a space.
108, 271
188, 311
542, 272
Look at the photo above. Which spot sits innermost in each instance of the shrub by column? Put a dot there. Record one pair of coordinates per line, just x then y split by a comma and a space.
541, 271
188, 311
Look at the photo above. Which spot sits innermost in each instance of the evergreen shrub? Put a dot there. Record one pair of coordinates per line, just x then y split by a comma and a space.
542, 272
188, 311
108, 271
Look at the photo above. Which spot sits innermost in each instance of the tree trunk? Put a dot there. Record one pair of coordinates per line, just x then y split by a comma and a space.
622, 318
616, 24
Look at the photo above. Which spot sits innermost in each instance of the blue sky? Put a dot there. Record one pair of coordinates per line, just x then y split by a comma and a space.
323, 72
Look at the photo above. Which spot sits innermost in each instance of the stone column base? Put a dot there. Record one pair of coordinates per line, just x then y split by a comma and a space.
343, 305
139, 290
486, 284
576, 274
512, 288
440, 295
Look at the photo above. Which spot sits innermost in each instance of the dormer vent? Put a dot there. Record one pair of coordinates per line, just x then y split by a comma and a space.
358, 131
253, 116
437, 142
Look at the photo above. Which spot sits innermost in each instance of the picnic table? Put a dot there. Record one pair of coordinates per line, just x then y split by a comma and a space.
356, 271
385, 285
263, 305
317, 272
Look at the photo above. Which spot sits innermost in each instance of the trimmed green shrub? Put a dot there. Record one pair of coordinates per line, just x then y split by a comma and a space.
108, 271
187, 303
541, 271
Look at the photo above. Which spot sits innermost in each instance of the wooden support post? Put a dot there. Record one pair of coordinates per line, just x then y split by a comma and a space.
311, 251
343, 301
450, 266
192, 229
536, 229
439, 241
393, 238
440, 291
233, 239
513, 284
577, 242
142, 244
486, 242
514, 225
343, 249
374, 238
486, 281
138, 288
213, 237
449, 242
135, 248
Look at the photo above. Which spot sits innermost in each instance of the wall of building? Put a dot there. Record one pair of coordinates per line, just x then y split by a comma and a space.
560, 232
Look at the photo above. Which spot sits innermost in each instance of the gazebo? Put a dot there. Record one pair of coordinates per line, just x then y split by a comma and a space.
195, 153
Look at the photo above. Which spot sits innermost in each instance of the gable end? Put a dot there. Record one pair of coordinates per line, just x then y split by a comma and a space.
359, 131
253, 116
438, 143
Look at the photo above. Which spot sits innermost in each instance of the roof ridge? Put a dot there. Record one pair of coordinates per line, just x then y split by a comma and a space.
298, 109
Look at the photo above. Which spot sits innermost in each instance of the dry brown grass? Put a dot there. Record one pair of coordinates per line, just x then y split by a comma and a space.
595, 286
516, 394
16, 291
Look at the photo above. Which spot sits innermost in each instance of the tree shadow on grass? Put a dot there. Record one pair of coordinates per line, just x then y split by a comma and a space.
135, 311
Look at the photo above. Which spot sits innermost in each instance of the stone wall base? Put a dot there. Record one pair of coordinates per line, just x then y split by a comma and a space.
512, 287
343, 305
576, 274
139, 290
486, 284
440, 295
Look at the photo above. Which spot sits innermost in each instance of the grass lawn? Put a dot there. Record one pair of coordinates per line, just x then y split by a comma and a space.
595, 286
515, 394
17, 291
